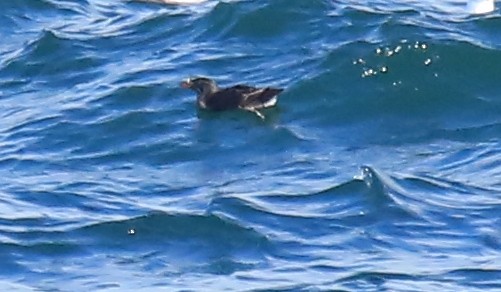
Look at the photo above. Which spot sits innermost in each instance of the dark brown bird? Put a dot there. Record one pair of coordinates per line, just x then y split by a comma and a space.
248, 98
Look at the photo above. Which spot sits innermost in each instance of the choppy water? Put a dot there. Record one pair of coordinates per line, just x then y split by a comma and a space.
380, 170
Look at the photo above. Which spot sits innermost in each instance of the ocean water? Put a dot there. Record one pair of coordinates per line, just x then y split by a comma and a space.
379, 170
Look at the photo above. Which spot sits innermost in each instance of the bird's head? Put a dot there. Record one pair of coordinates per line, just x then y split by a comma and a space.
201, 85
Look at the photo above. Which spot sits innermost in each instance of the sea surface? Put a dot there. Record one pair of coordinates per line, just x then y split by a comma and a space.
379, 170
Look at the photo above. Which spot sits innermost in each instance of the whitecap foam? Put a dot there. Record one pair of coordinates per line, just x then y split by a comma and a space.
480, 6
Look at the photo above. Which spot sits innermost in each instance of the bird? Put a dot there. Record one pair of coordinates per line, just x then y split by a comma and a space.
244, 97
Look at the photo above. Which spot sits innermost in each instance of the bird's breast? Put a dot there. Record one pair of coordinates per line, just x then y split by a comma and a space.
201, 103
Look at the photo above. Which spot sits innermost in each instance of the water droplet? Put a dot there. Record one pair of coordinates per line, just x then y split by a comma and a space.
369, 72
359, 61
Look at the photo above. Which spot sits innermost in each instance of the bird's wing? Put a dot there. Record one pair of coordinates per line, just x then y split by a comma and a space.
260, 97
242, 96
227, 98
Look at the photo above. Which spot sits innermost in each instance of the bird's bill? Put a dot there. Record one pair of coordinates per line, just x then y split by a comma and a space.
185, 84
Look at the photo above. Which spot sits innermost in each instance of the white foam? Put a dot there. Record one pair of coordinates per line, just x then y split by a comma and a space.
480, 6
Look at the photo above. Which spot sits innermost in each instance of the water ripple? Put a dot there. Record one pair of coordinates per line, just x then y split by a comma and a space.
378, 170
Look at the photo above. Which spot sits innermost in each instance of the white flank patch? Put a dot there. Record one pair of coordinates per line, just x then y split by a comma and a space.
270, 102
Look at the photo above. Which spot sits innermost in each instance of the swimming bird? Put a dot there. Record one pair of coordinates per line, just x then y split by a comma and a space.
244, 97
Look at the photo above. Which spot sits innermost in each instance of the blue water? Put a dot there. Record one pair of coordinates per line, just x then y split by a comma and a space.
379, 170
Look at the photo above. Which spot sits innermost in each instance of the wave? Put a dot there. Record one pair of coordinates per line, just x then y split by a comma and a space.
202, 243
44, 61
209, 227
96, 134
404, 90
37, 5
416, 76
429, 198
373, 193
467, 277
